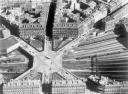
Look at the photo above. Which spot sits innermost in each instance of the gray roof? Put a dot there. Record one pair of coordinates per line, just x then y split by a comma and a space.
8, 42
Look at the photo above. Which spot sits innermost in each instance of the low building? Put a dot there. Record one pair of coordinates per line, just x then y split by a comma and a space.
68, 87
7, 45
109, 23
105, 85
15, 64
23, 87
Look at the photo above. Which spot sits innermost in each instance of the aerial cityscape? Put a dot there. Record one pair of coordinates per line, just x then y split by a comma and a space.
63, 46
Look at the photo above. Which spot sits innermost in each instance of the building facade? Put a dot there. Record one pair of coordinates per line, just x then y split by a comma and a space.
68, 87
31, 30
65, 30
22, 87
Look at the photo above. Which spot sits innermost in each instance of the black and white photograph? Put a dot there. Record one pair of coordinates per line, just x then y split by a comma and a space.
63, 46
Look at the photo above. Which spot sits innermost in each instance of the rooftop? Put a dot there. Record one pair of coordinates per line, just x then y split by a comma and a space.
8, 42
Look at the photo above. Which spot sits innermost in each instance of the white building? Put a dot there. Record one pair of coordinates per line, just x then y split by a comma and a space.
23, 87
